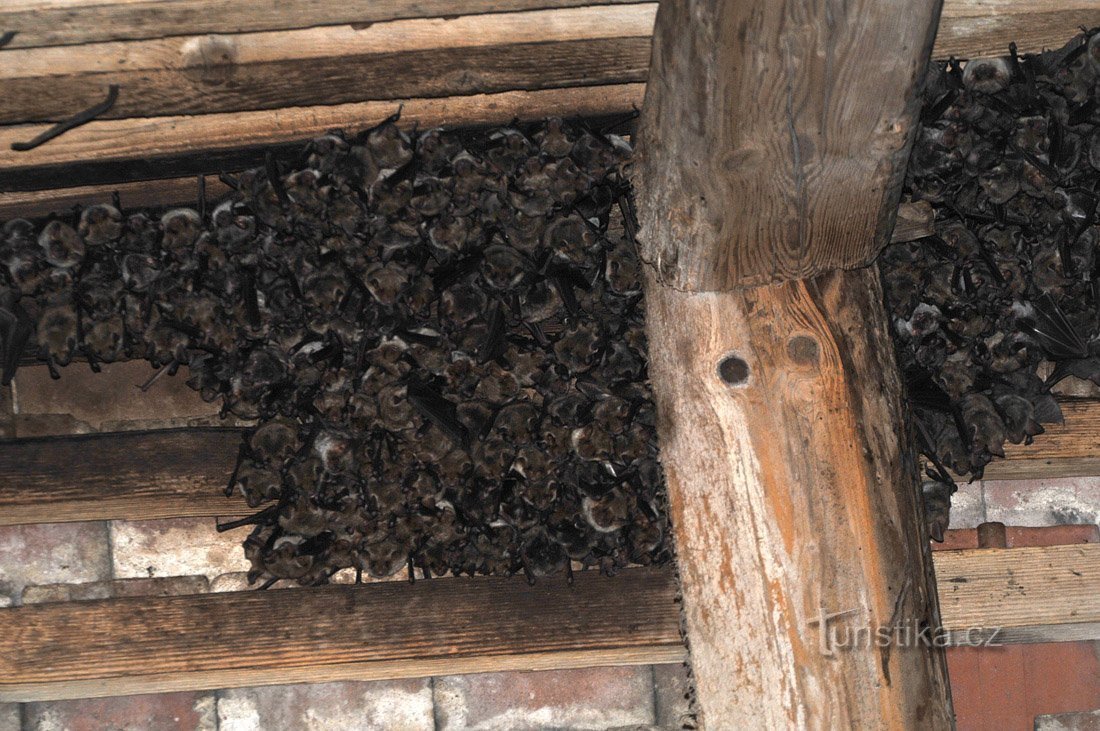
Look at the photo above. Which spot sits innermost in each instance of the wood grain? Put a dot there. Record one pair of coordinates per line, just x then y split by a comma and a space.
145, 194
1063, 450
791, 496
71, 22
385, 630
392, 630
136, 475
1029, 594
975, 28
790, 163
116, 150
332, 65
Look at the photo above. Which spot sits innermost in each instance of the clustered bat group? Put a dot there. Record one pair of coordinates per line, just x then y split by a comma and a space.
440, 335
1008, 155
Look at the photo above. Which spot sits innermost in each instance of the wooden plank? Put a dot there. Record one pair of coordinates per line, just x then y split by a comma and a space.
1042, 594
332, 65
125, 149
385, 630
136, 475
967, 27
392, 630
145, 194
70, 22
973, 28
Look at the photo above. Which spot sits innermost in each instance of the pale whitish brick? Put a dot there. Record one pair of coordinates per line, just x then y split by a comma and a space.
1084, 721
968, 505
402, 705
55, 553
9, 717
160, 712
1059, 501
592, 698
112, 398
160, 586
672, 687
178, 547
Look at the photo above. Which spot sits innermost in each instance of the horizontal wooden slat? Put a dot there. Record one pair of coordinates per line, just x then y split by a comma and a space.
127, 149
385, 630
444, 626
144, 194
422, 57
1063, 450
517, 52
1043, 594
161, 474
71, 22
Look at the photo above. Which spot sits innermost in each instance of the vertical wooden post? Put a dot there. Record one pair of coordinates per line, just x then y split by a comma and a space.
771, 149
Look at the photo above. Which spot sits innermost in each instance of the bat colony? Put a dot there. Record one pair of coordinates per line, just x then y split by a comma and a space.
440, 335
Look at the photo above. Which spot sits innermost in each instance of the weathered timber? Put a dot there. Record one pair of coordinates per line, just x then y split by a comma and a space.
1042, 594
391, 630
974, 28
793, 494
137, 475
790, 162
107, 151
71, 22
144, 194
385, 630
331, 65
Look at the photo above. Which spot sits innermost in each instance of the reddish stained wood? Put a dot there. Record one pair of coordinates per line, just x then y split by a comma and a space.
792, 495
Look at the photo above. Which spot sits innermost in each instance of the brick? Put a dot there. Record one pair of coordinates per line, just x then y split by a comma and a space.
402, 705
1057, 501
177, 547
672, 688
968, 506
591, 698
160, 586
10, 719
52, 553
1084, 721
112, 399
153, 712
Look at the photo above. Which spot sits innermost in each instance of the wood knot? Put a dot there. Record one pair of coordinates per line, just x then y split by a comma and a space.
733, 370
210, 60
803, 350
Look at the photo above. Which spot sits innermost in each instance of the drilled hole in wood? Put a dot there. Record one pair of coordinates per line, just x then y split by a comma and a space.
734, 371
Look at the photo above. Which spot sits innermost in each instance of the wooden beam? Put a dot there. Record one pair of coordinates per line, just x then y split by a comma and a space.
1045, 594
771, 148
70, 22
445, 626
385, 630
792, 495
144, 194
968, 28
332, 65
126, 149
791, 163
136, 475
